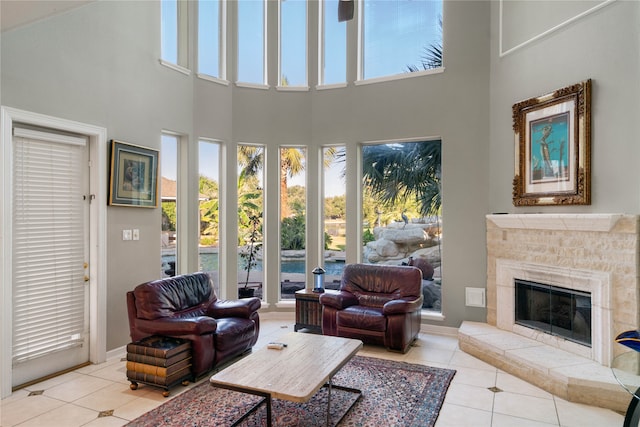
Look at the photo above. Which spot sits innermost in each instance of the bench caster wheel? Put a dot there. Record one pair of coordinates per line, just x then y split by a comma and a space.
165, 393
133, 386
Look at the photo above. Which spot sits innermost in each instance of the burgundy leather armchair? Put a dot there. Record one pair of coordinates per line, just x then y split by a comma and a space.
378, 304
187, 307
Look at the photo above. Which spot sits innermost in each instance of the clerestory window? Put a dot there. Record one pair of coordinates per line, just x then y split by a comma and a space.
212, 38
399, 36
173, 28
293, 43
333, 45
252, 42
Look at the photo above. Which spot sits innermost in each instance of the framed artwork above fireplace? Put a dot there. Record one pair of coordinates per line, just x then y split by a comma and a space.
553, 148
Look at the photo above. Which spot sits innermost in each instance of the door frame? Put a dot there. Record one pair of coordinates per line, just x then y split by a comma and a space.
97, 137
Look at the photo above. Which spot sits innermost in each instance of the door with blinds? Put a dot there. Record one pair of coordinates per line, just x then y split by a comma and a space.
50, 318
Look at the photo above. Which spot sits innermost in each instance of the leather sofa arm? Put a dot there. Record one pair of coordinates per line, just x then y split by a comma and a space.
339, 301
243, 308
402, 306
178, 326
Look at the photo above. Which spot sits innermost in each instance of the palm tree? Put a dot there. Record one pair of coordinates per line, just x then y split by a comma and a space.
291, 164
398, 173
250, 159
431, 56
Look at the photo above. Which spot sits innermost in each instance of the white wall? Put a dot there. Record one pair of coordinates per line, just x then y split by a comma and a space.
99, 64
603, 46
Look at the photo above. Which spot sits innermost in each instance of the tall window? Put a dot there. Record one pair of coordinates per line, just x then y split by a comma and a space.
335, 211
333, 49
400, 36
208, 200
401, 205
169, 28
250, 220
169, 199
211, 36
293, 200
173, 28
293, 43
251, 41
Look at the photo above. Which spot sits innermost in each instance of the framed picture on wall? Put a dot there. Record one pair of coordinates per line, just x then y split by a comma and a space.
134, 176
553, 148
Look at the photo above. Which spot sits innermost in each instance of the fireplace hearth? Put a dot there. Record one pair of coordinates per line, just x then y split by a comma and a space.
595, 254
554, 310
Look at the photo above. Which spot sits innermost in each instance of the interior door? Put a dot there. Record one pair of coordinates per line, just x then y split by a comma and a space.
50, 243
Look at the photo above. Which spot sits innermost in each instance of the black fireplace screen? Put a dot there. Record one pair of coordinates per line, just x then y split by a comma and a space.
554, 310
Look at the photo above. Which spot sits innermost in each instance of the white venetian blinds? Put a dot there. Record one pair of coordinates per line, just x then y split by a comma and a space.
48, 243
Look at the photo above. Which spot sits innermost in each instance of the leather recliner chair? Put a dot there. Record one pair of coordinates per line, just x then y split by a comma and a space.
187, 307
378, 304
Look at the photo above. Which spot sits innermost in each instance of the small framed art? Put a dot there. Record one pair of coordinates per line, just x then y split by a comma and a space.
134, 175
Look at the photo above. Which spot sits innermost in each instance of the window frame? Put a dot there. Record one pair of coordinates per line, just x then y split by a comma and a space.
321, 52
426, 313
305, 85
360, 80
182, 242
220, 153
265, 75
222, 45
182, 35
304, 150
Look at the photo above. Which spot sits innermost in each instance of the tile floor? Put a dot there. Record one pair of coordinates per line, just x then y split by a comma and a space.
480, 395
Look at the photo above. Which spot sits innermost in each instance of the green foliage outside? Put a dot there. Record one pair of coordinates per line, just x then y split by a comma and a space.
367, 237
327, 241
292, 233
169, 216
209, 217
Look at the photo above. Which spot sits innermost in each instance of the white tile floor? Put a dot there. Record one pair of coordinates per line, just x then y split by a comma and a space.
99, 395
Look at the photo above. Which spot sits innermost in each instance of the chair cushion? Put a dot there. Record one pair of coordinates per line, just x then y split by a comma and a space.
233, 332
361, 317
167, 297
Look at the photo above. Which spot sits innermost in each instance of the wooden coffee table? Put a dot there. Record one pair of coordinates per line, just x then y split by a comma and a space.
294, 373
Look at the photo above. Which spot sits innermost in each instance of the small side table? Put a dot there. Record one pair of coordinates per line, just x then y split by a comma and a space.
309, 310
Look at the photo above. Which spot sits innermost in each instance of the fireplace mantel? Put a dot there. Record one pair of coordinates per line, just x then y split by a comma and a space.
568, 222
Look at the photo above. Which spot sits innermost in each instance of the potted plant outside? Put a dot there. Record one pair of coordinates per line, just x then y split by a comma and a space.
249, 255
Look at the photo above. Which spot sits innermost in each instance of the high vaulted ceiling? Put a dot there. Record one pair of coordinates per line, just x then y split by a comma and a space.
14, 13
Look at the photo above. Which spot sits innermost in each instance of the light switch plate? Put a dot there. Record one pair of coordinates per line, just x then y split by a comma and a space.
136, 234
126, 234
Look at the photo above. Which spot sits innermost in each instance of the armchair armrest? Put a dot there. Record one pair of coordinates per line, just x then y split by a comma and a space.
401, 306
234, 308
339, 301
176, 326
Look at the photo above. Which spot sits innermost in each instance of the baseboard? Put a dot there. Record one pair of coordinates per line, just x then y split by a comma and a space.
439, 330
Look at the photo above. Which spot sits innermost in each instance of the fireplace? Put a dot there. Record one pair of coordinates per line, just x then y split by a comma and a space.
586, 254
557, 311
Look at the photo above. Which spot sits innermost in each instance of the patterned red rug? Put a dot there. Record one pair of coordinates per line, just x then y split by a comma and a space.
393, 394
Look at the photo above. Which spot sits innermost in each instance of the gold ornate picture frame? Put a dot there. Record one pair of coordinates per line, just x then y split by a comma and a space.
553, 148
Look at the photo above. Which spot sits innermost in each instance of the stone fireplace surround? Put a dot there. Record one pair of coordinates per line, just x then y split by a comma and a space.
597, 253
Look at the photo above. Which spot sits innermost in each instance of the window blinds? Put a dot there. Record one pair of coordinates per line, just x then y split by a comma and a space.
48, 243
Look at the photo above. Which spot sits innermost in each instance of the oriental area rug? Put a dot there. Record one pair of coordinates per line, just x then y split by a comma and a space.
393, 394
